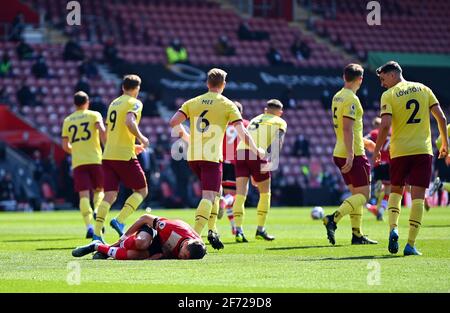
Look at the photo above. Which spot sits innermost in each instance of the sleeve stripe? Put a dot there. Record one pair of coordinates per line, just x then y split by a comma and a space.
239, 120
385, 113
183, 114
434, 105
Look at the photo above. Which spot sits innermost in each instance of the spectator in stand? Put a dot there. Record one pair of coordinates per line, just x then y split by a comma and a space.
7, 193
151, 104
176, 53
288, 98
40, 68
275, 58
88, 68
24, 51
83, 85
96, 104
245, 33
223, 47
73, 51
25, 96
4, 97
17, 28
110, 52
300, 49
5, 66
301, 147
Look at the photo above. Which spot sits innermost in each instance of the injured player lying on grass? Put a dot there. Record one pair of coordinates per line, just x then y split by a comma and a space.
150, 238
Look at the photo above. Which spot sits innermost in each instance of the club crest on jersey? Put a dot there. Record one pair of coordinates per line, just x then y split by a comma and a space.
161, 225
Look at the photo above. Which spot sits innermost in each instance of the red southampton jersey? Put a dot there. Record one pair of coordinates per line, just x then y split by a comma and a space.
172, 233
230, 142
385, 156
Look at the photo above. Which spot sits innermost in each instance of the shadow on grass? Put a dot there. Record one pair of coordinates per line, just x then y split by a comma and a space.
436, 226
362, 257
303, 247
54, 249
41, 239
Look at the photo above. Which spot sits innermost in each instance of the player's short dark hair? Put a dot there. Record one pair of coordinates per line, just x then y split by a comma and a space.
239, 106
197, 250
216, 77
274, 104
80, 98
131, 82
352, 72
390, 66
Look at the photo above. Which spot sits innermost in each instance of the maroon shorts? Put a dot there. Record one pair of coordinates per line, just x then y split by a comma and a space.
129, 173
88, 177
359, 175
209, 173
414, 170
247, 164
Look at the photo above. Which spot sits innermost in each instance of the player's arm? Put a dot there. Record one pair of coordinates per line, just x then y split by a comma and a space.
144, 219
439, 115
369, 145
247, 139
348, 141
134, 129
386, 122
176, 123
102, 132
67, 147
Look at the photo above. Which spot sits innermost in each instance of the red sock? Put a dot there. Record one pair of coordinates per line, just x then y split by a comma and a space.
129, 243
103, 249
115, 252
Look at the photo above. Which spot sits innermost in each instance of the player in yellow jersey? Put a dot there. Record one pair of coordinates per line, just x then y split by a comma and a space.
209, 114
268, 131
349, 155
442, 168
120, 164
406, 107
81, 134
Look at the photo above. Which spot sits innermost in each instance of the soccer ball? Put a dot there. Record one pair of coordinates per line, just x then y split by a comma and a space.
317, 213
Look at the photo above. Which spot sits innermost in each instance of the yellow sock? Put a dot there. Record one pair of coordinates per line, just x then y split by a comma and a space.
263, 208
356, 221
102, 211
349, 206
98, 198
86, 211
446, 186
415, 220
213, 216
201, 215
239, 210
394, 208
129, 207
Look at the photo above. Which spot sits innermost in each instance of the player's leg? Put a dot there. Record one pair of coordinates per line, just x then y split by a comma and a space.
239, 206
133, 177
358, 236
99, 194
211, 178
86, 212
82, 185
97, 178
262, 209
228, 202
419, 179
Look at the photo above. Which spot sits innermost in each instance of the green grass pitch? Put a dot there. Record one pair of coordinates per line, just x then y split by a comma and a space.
35, 256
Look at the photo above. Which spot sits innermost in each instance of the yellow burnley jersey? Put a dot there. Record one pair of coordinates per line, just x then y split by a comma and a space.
209, 115
439, 139
346, 104
80, 128
120, 144
409, 104
264, 129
